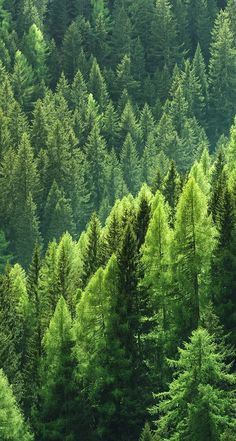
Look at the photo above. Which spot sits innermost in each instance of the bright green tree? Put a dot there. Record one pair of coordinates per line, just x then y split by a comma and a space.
60, 411
12, 425
197, 406
194, 241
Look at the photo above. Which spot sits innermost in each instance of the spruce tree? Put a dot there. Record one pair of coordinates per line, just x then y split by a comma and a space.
190, 409
60, 412
194, 241
23, 81
222, 69
5, 256
12, 425
130, 165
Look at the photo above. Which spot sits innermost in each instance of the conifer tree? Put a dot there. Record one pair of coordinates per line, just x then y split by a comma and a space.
60, 412
91, 251
12, 425
193, 243
23, 81
222, 75
36, 51
110, 126
71, 48
146, 434
121, 33
14, 314
58, 19
130, 165
48, 286
5, 256
165, 50
195, 399
171, 189
58, 216
129, 124
97, 85
96, 159
156, 283
199, 70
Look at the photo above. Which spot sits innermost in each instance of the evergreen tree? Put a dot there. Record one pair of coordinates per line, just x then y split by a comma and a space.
222, 75
91, 251
97, 85
58, 19
5, 256
171, 189
71, 47
23, 81
58, 216
60, 412
12, 425
196, 398
146, 434
130, 165
36, 51
96, 162
193, 244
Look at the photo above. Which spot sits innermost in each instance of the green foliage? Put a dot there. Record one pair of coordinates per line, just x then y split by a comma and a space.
5, 257
103, 102
196, 405
12, 423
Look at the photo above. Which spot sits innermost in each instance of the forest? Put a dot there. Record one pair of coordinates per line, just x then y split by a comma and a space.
117, 220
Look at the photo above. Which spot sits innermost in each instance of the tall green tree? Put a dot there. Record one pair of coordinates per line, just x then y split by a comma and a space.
12, 425
222, 69
197, 406
194, 241
60, 412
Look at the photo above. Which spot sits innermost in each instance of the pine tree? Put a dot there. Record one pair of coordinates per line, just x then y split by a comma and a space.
146, 434
199, 70
59, 155
130, 165
23, 81
5, 256
27, 231
60, 412
96, 160
124, 78
97, 85
121, 33
71, 48
36, 51
34, 334
91, 251
165, 50
222, 75
110, 126
48, 287
222, 288
12, 425
171, 189
58, 19
14, 305
129, 125
196, 397
143, 214
194, 241
58, 216
156, 280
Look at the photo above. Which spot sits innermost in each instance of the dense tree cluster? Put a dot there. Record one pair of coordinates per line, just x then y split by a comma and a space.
117, 220
97, 97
